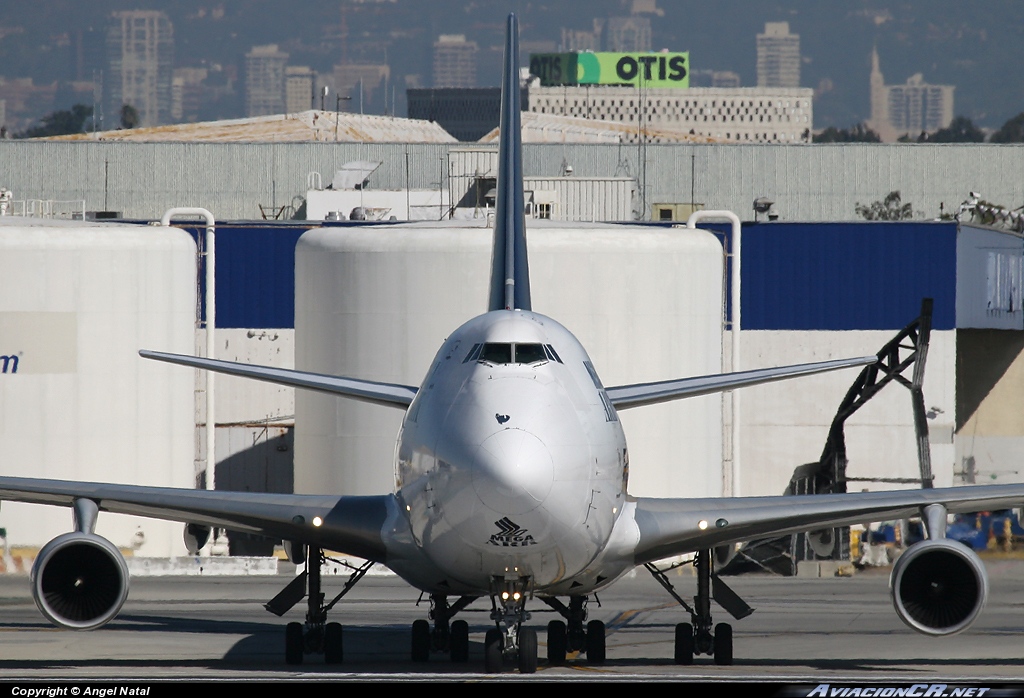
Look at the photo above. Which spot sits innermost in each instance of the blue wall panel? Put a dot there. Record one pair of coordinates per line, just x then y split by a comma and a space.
255, 274
796, 276
846, 276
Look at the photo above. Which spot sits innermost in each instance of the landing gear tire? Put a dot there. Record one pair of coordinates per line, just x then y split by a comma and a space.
684, 643
420, 641
493, 651
333, 645
294, 644
527, 651
595, 642
723, 644
557, 640
459, 641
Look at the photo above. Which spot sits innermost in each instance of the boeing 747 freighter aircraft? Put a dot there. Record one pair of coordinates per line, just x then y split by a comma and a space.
510, 490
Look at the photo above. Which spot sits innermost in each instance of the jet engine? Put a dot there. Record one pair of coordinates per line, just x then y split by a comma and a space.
938, 587
79, 581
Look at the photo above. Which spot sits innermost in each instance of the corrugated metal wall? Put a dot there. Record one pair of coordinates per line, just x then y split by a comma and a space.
807, 182
995, 259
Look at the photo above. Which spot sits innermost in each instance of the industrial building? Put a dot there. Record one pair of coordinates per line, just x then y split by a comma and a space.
233, 168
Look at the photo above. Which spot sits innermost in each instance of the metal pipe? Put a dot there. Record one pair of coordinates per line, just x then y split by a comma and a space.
734, 327
211, 297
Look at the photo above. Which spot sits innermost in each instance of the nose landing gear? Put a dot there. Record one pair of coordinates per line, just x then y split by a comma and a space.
509, 639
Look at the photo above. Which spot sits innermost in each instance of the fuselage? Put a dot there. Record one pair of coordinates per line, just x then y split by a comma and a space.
511, 460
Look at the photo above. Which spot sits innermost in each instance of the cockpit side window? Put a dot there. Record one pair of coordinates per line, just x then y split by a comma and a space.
474, 353
550, 351
496, 353
530, 353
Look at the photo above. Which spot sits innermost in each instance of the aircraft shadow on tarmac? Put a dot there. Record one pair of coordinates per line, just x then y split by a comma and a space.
385, 649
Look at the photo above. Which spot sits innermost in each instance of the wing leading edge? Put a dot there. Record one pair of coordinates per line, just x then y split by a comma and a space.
637, 395
387, 394
351, 525
670, 527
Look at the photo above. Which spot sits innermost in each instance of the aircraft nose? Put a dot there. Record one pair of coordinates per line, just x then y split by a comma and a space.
513, 471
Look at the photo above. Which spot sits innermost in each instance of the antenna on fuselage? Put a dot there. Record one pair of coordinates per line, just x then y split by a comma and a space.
510, 271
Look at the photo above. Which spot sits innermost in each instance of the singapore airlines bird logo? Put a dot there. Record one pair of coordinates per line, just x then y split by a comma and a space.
510, 535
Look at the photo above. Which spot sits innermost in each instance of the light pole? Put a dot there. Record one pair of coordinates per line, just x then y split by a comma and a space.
337, 113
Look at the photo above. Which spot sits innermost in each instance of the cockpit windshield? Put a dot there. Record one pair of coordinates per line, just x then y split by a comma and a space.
530, 353
496, 353
509, 353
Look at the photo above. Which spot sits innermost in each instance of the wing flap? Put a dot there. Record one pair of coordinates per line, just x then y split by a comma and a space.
670, 527
387, 394
626, 396
351, 525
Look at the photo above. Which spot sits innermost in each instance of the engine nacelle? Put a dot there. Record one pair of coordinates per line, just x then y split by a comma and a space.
196, 536
79, 581
938, 587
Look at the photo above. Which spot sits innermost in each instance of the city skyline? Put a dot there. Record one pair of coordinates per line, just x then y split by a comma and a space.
382, 48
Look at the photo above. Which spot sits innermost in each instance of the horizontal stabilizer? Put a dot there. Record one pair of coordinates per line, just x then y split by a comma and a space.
626, 396
387, 394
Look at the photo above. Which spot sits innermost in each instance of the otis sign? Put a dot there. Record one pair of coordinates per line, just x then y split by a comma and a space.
640, 69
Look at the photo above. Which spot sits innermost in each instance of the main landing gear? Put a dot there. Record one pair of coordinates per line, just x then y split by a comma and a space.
447, 635
697, 637
571, 635
316, 636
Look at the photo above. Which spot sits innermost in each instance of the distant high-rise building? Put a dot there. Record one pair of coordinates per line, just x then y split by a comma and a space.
186, 93
714, 78
358, 85
298, 88
778, 56
454, 61
140, 49
910, 109
627, 34
264, 80
581, 39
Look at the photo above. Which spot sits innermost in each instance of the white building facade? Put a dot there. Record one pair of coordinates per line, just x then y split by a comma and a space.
745, 114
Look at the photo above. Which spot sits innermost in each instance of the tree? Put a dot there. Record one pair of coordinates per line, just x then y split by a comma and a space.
60, 123
129, 116
1011, 132
891, 208
858, 133
960, 130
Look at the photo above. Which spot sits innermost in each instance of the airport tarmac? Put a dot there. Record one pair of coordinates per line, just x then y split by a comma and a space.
802, 631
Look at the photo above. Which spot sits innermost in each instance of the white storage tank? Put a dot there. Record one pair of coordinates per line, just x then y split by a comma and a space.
376, 302
77, 302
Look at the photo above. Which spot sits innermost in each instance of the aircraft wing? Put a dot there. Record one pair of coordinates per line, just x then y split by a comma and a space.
626, 396
669, 527
349, 524
387, 394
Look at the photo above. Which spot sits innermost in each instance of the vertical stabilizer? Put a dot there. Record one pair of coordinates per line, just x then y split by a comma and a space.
510, 272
